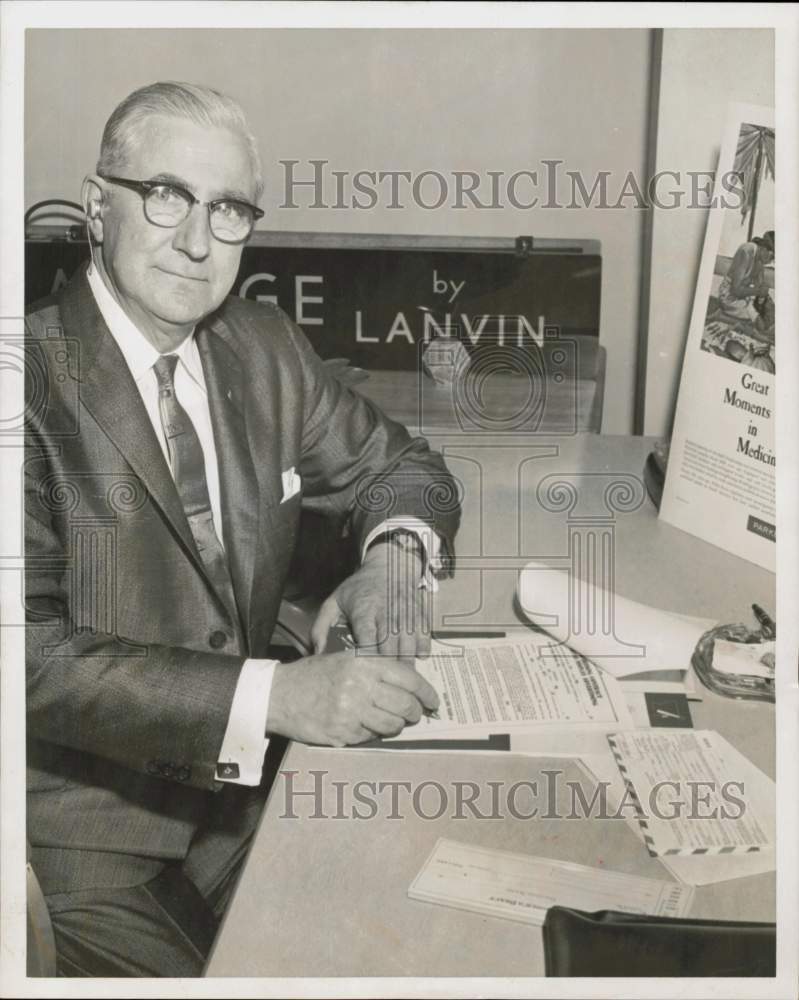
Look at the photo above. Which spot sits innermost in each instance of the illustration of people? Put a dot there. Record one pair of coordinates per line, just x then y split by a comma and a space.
743, 295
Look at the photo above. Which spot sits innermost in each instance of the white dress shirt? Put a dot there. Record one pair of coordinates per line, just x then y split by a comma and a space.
244, 743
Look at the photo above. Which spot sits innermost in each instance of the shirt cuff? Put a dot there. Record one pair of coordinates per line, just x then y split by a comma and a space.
431, 543
241, 758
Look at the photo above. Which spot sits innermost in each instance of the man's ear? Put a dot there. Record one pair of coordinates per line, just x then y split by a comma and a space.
92, 198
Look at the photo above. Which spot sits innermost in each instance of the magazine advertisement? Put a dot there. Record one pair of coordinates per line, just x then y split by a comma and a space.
721, 474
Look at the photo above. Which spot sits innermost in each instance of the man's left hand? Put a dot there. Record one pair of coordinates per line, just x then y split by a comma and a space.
386, 610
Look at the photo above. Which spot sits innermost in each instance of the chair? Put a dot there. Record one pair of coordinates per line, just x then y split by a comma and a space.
293, 627
41, 954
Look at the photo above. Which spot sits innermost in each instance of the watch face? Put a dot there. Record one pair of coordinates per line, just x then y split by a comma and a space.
405, 539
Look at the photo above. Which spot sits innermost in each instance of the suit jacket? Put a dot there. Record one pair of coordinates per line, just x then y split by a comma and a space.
132, 657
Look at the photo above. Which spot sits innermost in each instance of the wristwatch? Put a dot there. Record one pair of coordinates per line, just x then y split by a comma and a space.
406, 540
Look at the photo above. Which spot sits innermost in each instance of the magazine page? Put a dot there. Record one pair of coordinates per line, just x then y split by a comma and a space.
720, 484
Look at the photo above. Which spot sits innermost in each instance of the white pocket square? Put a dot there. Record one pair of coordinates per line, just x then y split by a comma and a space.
291, 484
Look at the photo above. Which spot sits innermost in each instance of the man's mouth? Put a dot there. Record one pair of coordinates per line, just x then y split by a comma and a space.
179, 274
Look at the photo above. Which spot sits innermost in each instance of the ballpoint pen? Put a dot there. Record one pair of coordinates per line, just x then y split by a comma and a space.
767, 624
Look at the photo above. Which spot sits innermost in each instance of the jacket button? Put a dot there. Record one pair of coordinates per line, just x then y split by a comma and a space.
217, 639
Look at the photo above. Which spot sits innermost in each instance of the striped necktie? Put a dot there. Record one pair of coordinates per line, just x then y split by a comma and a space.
188, 470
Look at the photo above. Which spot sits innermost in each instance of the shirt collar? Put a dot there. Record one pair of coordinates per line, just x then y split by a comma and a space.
139, 353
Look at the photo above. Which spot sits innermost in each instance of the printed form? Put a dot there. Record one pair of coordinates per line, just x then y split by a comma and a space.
504, 685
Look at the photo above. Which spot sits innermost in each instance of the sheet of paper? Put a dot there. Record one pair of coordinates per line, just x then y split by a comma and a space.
640, 686
691, 869
568, 743
523, 887
692, 794
742, 658
630, 638
504, 686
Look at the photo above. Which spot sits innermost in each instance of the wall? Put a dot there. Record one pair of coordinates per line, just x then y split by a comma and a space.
702, 71
475, 100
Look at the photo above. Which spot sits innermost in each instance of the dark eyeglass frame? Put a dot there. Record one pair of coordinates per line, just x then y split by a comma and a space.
145, 187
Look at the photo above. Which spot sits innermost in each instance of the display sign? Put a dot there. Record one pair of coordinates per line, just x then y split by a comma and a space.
379, 305
720, 484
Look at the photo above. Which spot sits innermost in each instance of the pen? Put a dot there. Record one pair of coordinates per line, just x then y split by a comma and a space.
767, 624
341, 633
445, 634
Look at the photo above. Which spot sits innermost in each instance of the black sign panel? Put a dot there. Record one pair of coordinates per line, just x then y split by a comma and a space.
378, 307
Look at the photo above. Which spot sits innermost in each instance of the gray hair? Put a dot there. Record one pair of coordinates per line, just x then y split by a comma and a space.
176, 100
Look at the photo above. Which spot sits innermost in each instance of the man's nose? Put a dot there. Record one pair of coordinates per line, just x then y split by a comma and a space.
193, 236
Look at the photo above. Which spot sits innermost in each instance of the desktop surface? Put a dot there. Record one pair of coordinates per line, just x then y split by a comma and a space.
326, 894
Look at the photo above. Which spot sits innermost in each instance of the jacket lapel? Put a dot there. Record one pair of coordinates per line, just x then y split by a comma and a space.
224, 379
108, 392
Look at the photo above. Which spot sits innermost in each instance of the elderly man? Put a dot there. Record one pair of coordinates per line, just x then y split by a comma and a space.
175, 434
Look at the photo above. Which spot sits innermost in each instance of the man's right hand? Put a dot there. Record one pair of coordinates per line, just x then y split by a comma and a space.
340, 699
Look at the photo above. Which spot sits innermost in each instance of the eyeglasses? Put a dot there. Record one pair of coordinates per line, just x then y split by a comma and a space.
167, 205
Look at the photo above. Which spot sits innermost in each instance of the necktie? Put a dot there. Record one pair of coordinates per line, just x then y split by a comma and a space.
188, 471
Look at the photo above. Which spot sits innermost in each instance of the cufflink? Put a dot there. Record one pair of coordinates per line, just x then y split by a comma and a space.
226, 771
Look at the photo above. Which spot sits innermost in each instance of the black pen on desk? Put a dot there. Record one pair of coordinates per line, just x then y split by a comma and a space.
449, 634
767, 624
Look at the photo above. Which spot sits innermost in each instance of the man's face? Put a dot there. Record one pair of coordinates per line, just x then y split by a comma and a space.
764, 254
169, 279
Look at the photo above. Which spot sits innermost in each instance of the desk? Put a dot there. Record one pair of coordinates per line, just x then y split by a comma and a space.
327, 897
